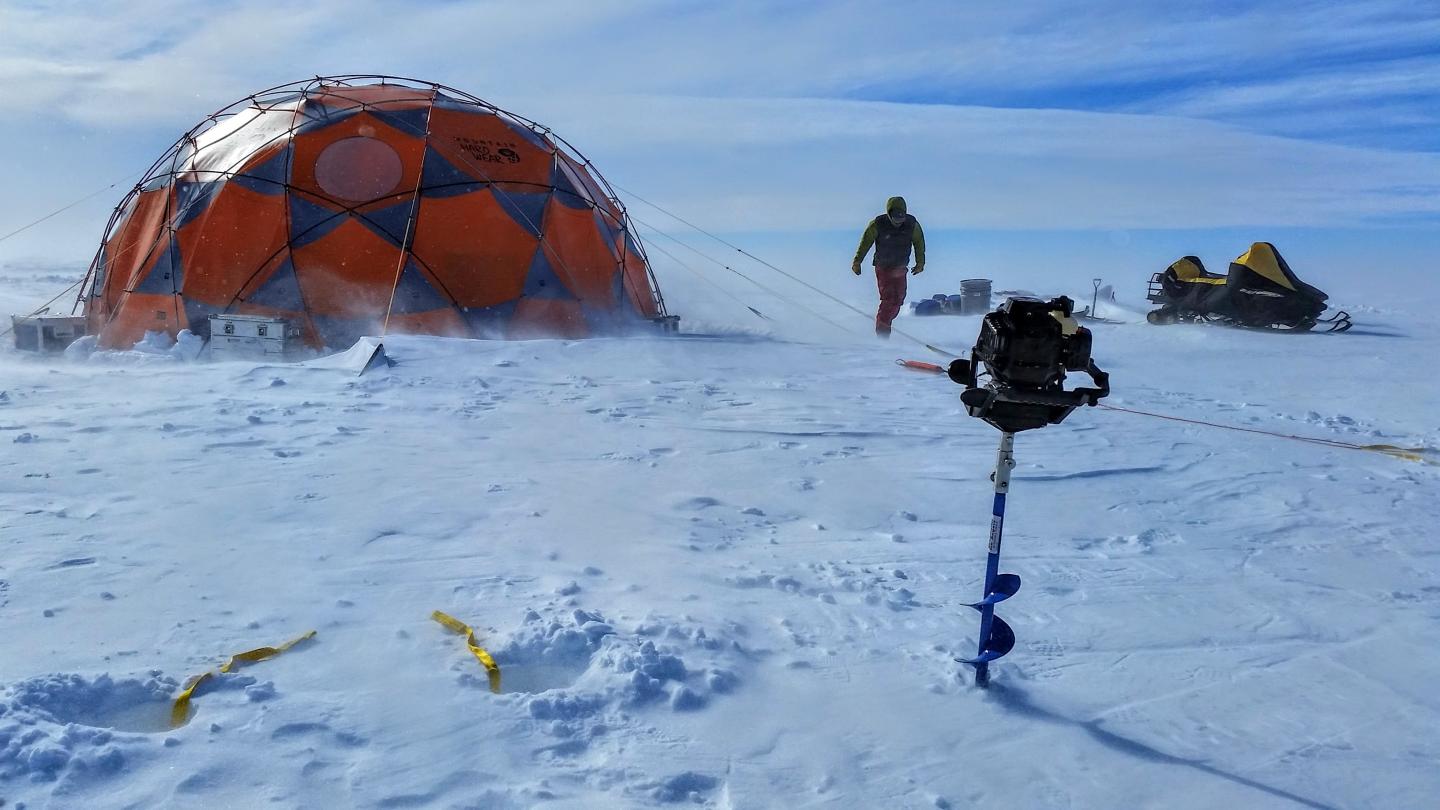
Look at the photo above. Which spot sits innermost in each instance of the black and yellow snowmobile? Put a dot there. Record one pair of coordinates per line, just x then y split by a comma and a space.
1259, 292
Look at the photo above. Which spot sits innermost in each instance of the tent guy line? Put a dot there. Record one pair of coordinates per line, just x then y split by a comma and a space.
802, 282
62, 209
7, 330
696, 273
769, 290
1421, 455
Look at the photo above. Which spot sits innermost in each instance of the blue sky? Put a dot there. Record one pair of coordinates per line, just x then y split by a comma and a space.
1362, 73
789, 122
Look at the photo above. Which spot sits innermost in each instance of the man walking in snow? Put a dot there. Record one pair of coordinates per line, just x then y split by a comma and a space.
893, 234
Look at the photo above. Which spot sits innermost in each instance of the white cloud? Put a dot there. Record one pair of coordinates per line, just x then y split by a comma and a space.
734, 113
130, 61
1332, 86
774, 164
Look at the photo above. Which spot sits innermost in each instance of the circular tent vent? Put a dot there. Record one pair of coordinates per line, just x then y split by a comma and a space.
358, 169
358, 205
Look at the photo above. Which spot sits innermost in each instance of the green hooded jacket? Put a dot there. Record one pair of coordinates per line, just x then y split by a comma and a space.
893, 242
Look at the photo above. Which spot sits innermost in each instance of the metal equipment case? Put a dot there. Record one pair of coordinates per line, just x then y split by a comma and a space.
46, 333
253, 337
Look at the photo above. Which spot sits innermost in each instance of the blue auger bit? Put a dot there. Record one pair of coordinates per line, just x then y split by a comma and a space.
1001, 639
1006, 586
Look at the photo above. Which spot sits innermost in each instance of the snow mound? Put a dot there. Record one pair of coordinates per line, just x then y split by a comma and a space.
67, 727
584, 687
580, 666
155, 347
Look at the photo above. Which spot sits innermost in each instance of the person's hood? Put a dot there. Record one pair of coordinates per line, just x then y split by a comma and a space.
895, 205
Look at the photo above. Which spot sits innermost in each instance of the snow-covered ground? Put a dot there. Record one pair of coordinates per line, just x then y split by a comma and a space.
723, 571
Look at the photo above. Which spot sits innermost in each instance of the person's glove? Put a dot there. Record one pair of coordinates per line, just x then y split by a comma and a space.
855, 267
919, 268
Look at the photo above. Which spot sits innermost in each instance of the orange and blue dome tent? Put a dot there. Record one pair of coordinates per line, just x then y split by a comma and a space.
357, 205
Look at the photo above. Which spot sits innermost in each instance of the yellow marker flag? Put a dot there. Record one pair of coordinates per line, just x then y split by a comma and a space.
456, 626
181, 710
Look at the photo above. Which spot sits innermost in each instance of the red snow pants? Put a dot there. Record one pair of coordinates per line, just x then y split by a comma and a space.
891, 282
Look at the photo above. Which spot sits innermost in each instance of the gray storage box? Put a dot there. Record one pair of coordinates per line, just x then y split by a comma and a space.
974, 296
253, 337
46, 333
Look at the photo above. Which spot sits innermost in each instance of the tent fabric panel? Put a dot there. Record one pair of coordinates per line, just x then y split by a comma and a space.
223, 248
387, 220
473, 247
526, 208
267, 173
136, 314
312, 117
415, 293
192, 197
547, 318
443, 322
593, 190
347, 274
637, 280
132, 243
279, 290
196, 315
541, 281
488, 149
277, 308
251, 308
336, 332
489, 323
233, 141
611, 320
445, 101
569, 188
454, 189
410, 122
530, 136
382, 142
273, 101
311, 221
611, 234
166, 273
441, 178
386, 96
579, 254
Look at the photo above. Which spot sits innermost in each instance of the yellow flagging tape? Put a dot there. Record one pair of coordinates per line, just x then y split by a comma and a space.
181, 711
456, 626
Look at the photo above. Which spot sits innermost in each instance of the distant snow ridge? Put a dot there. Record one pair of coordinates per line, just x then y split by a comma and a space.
70, 728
